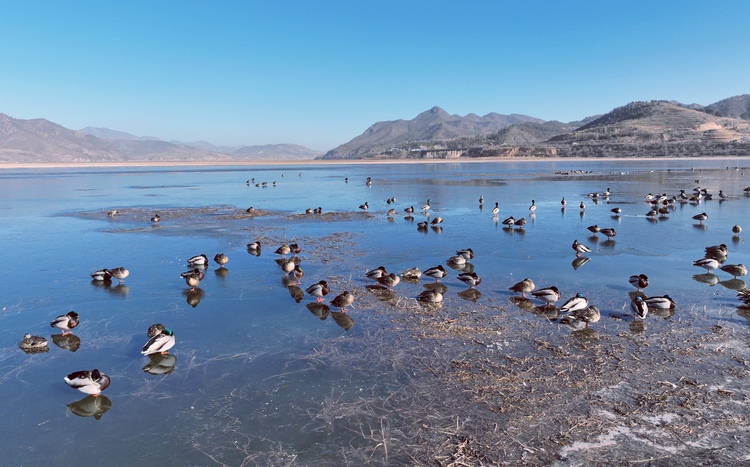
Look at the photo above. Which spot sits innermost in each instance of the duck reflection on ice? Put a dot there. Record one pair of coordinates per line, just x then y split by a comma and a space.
193, 297
319, 310
522, 302
160, 364
67, 342
345, 321
296, 293
470, 294
710, 279
578, 262
91, 406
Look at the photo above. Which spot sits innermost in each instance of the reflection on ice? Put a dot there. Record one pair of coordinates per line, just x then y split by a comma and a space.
67, 342
91, 406
160, 364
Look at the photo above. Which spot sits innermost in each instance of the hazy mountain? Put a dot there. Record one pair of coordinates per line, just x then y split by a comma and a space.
734, 107
431, 125
42, 141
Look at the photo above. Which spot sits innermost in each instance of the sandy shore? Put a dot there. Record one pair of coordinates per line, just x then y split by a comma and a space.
313, 162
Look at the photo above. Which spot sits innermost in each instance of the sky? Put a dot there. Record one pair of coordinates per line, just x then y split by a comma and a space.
319, 73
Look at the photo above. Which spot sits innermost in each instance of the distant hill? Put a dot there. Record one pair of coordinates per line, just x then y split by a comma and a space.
432, 125
733, 107
42, 141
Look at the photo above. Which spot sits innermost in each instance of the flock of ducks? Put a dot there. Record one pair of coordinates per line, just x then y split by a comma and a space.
576, 312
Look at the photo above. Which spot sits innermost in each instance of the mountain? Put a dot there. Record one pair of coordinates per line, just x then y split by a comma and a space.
734, 107
432, 125
42, 141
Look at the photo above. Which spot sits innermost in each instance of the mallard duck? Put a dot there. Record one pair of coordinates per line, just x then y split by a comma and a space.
30, 342
391, 212
664, 302
717, 252
250, 210
409, 210
295, 249
593, 228
364, 207
700, 217
580, 248
436, 221
547, 295
496, 209
198, 260
66, 322
193, 278
156, 218
155, 330
413, 274
343, 300
101, 275
118, 273
426, 207
457, 260
318, 290
422, 226
736, 230
616, 211
113, 213
652, 213
521, 222
590, 314
582, 206
523, 287
389, 280
508, 222
639, 307
376, 273
481, 200
470, 278
736, 270
288, 266
298, 273
709, 264
532, 208
579, 302
608, 232
430, 296
563, 203
648, 198
221, 259
161, 342
437, 272
283, 250
88, 382
639, 281
318, 210
254, 246
468, 253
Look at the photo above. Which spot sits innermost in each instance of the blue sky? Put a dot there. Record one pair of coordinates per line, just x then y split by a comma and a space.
320, 73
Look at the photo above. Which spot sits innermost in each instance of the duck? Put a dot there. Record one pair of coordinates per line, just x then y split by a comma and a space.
198, 260
664, 302
496, 209
579, 302
526, 285
364, 207
717, 252
639, 307
593, 229
88, 382
709, 264
113, 213
430, 296
118, 273
467, 253
736, 229
250, 210
422, 226
66, 322
532, 208
221, 259
426, 207
508, 222
456, 260
156, 218
101, 275
648, 198
580, 248
481, 200
318, 290
437, 272
582, 206
590, 314
288, 266
254, 246
160, 342
390, 280
470, 278
608, 232
391, 212
318, 210
437, 221
700, 217
343, 300
652, 213
283, 250
639, 281
736, 270
295, 249
193, 278
376, 273
409, 210
563, 203
521, 222
298, 273
412, 274
30, 342
547, 294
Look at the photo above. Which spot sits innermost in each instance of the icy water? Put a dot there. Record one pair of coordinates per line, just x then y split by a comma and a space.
238, 377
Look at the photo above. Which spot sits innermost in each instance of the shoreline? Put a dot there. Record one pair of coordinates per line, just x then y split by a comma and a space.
312, 162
